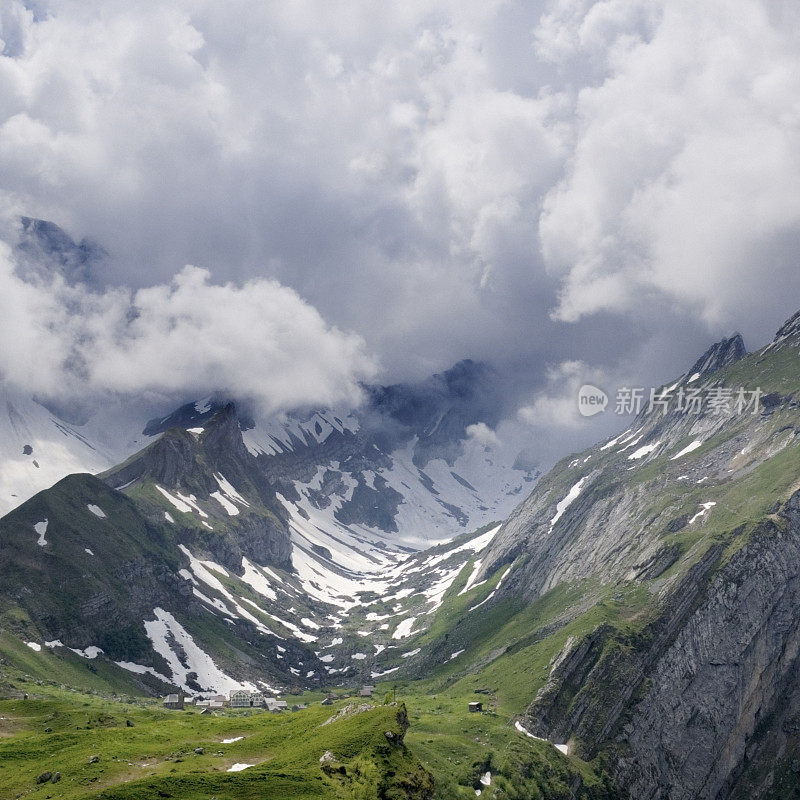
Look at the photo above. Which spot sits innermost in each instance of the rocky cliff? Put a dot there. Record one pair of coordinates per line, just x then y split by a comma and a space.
685, 529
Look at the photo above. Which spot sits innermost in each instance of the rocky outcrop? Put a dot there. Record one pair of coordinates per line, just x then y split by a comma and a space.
261, 539
166, 461
593, 681
699, 698
719, 355
689, 706
724, 674
188, 463
376, 507
789, 329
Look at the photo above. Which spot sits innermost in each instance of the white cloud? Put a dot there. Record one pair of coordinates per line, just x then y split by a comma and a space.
612, 181
258, 340
481, 433
353, 155
686, 170
556, 405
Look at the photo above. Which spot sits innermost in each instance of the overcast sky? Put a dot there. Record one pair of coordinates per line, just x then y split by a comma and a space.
571, 190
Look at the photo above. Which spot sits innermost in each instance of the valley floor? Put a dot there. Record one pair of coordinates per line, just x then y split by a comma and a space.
128, 748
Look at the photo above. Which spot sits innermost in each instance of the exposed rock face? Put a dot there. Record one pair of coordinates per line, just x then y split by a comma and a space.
719, 355
337, 460
700, 699
594, 679
603, 532
188, 464
166, 461
789, 328
261, 539
725, 672
375, 507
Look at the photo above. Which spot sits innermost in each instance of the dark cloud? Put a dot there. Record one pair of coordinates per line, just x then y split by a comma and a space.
607, 184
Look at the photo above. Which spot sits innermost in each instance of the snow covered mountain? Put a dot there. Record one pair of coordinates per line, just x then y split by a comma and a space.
39, 447
236, 551
404, 464
196, 570
217, 547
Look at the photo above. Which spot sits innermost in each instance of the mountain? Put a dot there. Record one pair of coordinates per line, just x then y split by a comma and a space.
725, 352
40, 443
631, 627
43, 439
281, 552
196, 570
44, 247
402, 466
403, 463
648, 591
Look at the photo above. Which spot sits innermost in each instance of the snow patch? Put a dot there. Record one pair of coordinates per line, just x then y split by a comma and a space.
180, 505
562, 506
494, 591
140, 669
385, 672
90, 652
688, 449
631, 444
256, 579
704, 507
560, 747
225, 503
41, 529
612, 442
96, 510
643, 451
403, 630
226, 487
473, 575
165, 632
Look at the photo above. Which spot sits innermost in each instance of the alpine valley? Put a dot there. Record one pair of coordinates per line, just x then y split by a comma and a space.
629, 622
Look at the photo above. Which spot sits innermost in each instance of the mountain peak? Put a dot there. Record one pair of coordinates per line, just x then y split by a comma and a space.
719, 355
789, 328
44, 245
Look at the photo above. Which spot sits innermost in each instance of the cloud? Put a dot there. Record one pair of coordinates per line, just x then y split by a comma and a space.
684, 184
612, 182
374, 162
556, 404
258, 340
481, 433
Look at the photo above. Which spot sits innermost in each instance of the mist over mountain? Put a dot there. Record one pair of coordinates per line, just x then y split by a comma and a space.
391, 406
633, 610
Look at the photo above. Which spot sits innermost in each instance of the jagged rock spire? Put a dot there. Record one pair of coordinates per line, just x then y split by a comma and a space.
719, 355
